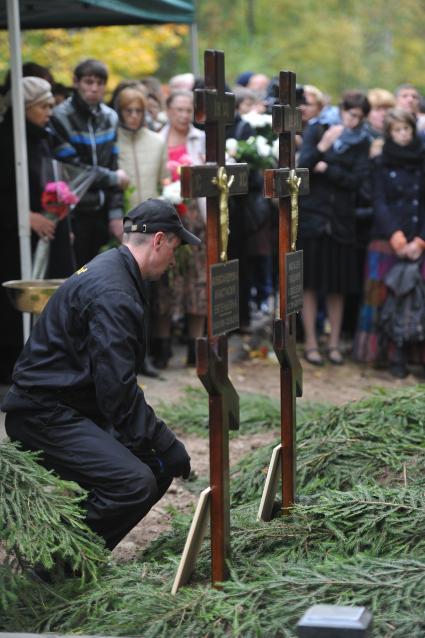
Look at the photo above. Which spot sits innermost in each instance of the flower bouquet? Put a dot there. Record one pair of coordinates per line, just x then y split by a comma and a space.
255, 151
261, 123
67, 185
171, 190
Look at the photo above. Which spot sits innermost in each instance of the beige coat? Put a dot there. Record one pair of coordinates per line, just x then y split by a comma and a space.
143, 156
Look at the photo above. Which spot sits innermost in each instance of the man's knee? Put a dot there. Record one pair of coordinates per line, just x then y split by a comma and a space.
139, 489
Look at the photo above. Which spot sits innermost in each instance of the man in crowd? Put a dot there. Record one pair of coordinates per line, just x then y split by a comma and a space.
75, 396
86, 133
407, 98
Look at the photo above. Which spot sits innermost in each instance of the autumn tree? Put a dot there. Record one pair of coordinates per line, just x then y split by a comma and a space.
130, 52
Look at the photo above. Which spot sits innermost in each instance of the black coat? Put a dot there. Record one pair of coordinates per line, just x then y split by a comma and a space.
330, 206
398, 200
86, 347
60, 263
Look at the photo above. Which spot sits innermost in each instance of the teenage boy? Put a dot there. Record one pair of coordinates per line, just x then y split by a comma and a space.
86, 132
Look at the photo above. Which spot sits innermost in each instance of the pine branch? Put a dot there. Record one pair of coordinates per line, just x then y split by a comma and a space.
42, 518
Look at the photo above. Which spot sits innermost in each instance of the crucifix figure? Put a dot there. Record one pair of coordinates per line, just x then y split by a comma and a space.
223, 183
216, 181
286, 183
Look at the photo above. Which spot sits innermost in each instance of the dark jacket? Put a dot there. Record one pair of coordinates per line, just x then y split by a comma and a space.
60, 259
86, 347
330, 206
86, 136
398, 200
38, 151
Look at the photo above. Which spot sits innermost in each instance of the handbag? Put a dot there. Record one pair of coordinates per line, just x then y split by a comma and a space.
402, 317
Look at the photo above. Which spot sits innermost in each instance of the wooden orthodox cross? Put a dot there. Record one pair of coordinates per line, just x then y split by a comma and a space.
216, 181
286, 183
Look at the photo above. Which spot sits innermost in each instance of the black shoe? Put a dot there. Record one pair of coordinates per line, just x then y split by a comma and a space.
148, 370
161, 352
398, 370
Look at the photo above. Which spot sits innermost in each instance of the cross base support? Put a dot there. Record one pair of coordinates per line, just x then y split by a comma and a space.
194, 541
267, 504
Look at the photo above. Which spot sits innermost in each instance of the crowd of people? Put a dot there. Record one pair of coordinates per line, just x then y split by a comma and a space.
363, 219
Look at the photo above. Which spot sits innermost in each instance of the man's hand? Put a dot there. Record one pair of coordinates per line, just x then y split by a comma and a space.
123, 179
116, 228
45, 228
176, 460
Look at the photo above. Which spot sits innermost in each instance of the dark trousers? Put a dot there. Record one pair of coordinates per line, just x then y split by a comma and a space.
122, 484
91, 232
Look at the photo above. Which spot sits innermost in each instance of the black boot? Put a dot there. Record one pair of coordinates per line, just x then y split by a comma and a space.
191, 353
147, 369
398, 367
161, 352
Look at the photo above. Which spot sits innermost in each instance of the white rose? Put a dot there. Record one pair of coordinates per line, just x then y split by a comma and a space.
172, 193
232, 146
275, 148
258, 120
263, 149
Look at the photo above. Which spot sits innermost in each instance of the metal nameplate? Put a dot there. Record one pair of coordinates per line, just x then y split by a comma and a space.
294, 282
224, 288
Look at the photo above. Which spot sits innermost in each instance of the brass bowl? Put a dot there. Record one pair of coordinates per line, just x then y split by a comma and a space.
31, 296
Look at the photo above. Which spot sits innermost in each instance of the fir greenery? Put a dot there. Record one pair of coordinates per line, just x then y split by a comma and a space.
353, 538
41, 518
380, 438
257, 413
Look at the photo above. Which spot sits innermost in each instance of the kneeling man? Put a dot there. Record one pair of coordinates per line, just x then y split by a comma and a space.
75, 395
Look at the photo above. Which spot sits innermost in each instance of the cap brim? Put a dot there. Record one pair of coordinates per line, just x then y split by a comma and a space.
189, 238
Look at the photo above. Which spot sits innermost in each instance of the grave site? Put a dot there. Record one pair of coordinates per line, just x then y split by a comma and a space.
292, 503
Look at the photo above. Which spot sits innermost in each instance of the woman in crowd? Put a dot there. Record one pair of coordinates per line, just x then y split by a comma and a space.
39, 104
314, 101
186, 145
398, 233
143, 156
337, 159
142, 153
381, 101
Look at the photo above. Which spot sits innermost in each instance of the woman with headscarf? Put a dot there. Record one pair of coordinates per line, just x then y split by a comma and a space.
39, 103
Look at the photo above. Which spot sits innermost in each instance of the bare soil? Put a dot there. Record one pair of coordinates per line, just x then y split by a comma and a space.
251, 370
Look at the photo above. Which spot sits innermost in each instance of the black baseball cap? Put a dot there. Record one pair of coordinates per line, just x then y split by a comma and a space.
154, 215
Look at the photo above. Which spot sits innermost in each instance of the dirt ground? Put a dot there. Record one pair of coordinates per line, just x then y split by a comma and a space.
258, 372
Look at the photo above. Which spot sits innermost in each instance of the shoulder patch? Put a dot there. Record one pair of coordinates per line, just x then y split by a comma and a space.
82, 269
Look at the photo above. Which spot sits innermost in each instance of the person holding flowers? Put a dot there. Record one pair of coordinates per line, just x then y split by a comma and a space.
39, 102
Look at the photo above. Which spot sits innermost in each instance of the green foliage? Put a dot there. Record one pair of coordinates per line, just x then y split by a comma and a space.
247, 151
361, 546
119, 46
334, 45
42, 519
257, 412
378, 438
